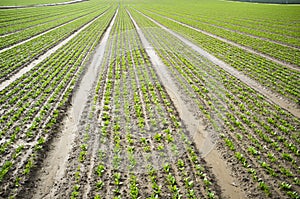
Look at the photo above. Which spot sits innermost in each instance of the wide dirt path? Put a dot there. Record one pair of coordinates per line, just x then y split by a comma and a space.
202, 139
55, 164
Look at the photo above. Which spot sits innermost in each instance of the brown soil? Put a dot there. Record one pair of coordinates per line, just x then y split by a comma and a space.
54, 166
51, 181
202, 139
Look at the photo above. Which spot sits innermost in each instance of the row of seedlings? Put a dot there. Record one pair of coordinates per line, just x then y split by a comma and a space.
29, 125
281, 79
246, 117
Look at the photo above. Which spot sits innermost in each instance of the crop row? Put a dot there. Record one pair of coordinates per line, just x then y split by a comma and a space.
16, 17
269, 19
142, 149
29, 2
38, 16
45, 25
275, 50
281, 33
19, 56
12, 24
262, 137
9, 17
278, 78
285, 39
29, 118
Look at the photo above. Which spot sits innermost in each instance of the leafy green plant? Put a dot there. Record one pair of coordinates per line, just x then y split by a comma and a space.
100, 170
99, 184
4, 169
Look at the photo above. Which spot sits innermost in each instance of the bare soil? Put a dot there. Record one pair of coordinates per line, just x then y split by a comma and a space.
54, 166
51, 180
203, 139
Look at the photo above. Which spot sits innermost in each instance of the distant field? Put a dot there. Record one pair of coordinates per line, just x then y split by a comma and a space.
272, 1
28, 2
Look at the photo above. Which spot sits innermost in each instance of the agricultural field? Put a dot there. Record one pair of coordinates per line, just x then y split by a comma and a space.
150, 99
32, 2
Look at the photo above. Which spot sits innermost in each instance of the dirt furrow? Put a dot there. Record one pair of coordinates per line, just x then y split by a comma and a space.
96, 62
45, 55
55, 163
194, 125
273, 98
292, 66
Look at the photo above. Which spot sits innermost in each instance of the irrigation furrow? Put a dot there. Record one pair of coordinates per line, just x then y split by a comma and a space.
70, 86
40, 134
94, 70
289, 106
189, 119
270, 58
56, 169
24, 70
